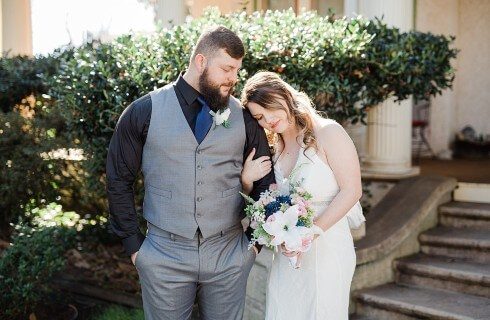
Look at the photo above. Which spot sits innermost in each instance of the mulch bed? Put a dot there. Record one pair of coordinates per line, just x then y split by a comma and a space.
103, 266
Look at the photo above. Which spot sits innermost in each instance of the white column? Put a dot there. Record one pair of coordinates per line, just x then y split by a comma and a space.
1, 28
16, 27
389, 140
389, 123
304, 5
351, 8
171, 12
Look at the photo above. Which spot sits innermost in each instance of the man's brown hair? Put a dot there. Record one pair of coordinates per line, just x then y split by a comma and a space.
217, 38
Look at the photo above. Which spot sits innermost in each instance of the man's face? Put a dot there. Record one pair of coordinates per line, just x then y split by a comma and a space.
217, 81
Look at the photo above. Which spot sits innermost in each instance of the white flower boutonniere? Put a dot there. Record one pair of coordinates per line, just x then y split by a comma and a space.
220, 117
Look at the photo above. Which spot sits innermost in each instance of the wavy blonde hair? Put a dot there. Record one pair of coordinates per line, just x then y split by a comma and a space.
265, 88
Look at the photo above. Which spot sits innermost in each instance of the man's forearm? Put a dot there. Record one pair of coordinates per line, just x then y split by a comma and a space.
123, 218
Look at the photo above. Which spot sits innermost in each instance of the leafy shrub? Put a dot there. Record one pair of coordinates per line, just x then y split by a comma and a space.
336, 62
28, 172
29, 128
22, 76
52, 215
90, 228
27, 266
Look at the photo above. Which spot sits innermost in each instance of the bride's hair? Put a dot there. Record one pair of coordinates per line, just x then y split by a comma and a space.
265, 88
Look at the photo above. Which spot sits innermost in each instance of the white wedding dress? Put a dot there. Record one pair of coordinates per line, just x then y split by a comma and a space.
319, 289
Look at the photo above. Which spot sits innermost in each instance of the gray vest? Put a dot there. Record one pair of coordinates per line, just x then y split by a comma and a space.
188, 185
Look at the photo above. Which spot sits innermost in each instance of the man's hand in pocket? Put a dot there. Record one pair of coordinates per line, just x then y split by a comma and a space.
133, 257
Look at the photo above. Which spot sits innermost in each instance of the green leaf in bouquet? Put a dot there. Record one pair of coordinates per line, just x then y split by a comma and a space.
247, 198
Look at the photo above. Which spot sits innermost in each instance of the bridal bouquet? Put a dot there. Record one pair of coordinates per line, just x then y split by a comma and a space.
283, 215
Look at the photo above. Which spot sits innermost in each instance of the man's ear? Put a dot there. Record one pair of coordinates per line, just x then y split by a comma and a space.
200, 62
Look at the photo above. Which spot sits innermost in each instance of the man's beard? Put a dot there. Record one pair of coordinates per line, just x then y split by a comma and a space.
211, 92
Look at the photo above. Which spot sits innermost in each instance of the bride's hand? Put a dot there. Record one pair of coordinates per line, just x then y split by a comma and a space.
254, 170
288, 253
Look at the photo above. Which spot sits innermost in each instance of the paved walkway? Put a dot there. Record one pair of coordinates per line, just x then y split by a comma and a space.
464, 170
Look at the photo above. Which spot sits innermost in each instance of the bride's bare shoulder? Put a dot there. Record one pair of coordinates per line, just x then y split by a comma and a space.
331, 133
325, 126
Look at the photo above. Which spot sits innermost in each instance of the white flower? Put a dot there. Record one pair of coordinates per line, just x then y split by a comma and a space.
262, 240
221, 117
282, 226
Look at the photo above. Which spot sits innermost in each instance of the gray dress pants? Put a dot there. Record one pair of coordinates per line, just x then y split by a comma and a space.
175, 271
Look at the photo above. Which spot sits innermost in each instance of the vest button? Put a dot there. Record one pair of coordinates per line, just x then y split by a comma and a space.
199, 151
199, 198
200, 183
199, 167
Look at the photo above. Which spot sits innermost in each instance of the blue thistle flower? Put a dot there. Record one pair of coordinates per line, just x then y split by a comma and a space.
272, 207
284, 199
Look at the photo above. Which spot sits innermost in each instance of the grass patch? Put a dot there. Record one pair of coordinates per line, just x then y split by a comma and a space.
120, 313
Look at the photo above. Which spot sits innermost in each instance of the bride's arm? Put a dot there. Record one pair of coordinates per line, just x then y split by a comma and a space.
342, 157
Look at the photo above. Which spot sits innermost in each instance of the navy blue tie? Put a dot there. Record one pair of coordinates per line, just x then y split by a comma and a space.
204, 121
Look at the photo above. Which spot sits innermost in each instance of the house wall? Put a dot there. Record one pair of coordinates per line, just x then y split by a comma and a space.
196, 7
467, 103
473, 86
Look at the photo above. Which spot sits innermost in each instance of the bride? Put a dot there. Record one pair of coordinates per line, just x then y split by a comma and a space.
320, 154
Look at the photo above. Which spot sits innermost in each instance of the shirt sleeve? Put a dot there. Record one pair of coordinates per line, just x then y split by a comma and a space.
256, 138
122, 168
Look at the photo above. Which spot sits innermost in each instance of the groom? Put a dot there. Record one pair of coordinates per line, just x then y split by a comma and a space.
195, 247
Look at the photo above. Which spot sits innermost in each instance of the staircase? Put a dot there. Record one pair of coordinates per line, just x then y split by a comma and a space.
448, 279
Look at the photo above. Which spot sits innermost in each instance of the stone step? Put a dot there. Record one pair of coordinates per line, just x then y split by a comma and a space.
358, 317
464, 243
391, 301
444, 273
465, 215
472, 192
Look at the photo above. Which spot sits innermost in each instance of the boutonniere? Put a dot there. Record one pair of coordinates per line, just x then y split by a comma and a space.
220, 117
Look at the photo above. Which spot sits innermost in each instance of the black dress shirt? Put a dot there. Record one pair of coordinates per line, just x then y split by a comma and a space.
125, 156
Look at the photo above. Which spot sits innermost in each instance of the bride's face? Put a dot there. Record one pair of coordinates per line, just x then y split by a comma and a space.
275, 120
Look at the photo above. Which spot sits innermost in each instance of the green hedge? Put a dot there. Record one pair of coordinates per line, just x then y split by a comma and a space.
28, 265
337, 62
37, 253
30, 127
25, 176
22, 76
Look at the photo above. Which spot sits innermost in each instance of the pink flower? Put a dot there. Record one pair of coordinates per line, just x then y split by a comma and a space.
302, 210
254, 224
296, 199
265, 201
306, 242
300, 190
303, 202
271, 218
273, 187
